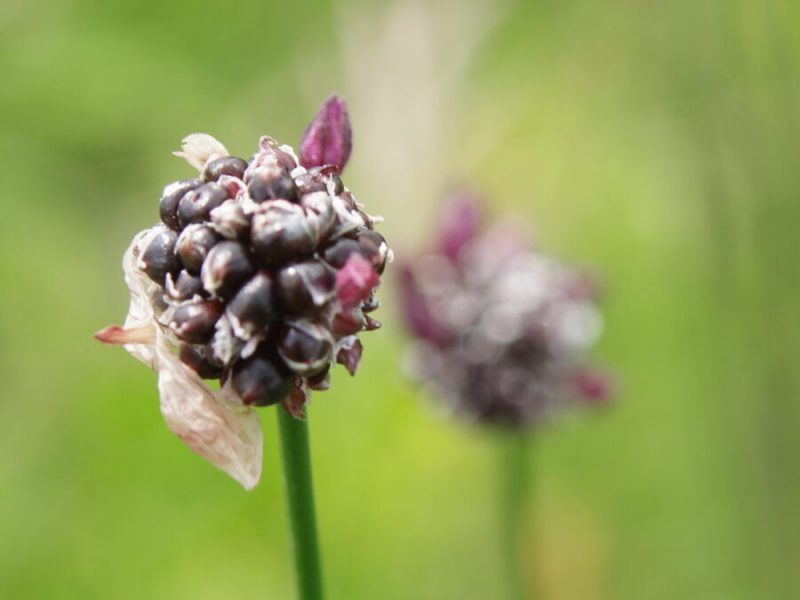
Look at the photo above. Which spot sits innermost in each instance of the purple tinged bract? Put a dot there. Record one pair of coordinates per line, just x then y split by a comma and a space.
328, 140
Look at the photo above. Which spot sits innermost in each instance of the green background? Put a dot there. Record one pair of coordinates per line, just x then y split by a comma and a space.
656, 143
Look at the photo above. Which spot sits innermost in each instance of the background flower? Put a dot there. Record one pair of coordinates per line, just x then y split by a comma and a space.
501, 329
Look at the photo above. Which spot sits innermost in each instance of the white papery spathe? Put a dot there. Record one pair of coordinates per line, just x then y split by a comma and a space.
212, 422
200, 148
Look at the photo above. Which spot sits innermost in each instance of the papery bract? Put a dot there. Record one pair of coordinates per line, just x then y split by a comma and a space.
199, 149
211, 422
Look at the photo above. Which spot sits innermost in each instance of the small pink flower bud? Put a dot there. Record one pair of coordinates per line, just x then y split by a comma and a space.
460, 224
594, 385
355, 281
328, 139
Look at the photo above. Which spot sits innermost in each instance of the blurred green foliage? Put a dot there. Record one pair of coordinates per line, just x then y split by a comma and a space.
656, 143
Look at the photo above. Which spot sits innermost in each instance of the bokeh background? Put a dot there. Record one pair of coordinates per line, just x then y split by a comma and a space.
656, 143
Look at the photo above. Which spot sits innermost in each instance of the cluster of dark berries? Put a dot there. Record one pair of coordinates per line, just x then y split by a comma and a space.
500, 330
266, 269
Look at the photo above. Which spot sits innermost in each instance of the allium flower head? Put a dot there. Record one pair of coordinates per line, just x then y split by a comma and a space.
500, 329
259, 276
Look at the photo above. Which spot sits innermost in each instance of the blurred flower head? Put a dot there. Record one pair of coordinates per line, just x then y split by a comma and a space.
259, 276
500, 330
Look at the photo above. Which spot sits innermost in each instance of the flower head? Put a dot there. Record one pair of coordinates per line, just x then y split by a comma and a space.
259, 276
500, 330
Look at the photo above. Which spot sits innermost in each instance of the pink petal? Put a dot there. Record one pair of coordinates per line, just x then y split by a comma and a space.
355, 281
116, 335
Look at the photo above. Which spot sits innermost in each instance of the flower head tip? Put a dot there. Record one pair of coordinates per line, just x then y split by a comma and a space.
328, 139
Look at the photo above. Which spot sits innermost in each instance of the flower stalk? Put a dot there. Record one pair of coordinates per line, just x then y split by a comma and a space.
515, 492
299, 493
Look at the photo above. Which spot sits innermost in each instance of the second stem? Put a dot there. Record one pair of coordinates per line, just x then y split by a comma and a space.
515, 489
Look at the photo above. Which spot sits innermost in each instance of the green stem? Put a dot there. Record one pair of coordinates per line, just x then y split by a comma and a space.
296, 463
515, 484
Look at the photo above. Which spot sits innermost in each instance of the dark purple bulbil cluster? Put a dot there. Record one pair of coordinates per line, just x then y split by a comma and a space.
266, 269
500, 330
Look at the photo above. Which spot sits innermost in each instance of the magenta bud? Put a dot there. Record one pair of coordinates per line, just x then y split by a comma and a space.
460, 223
594, 385
328, 139
355, 281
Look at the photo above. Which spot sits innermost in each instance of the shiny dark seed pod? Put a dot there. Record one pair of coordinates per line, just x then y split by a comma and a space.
159, 258
320, 213
304, 288
337, 253
227, 165
353, 221
196, 206
272, 183
171, 197
329, 173
374, 248
308, 183
347, 322
194, 244
184, 287
261, 380
194, 322
201, 360
226, 268
253, 307
321, 381
305, 347
230, 220
277, 240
